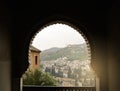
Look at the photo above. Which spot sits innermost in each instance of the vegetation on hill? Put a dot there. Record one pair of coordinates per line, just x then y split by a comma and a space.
72, 52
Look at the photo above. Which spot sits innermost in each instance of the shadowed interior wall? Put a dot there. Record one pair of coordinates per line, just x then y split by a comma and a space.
5, 59
114, 47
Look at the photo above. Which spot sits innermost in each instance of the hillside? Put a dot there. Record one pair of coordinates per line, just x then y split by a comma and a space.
72, 52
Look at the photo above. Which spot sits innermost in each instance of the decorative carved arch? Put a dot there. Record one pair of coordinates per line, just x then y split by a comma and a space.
79, 28
71, 23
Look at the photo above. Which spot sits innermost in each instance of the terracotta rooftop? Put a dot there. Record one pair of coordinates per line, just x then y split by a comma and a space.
32, 48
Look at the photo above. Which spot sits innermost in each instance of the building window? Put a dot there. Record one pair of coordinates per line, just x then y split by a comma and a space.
36, 58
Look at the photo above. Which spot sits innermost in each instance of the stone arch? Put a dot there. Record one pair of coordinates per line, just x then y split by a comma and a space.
72, 23
79, 28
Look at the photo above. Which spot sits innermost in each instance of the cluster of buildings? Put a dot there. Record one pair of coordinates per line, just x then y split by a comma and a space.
70, 73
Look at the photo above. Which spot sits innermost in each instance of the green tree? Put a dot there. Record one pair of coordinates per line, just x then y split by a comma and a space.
37, 77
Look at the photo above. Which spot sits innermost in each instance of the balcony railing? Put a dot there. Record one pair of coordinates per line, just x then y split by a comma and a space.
38, 88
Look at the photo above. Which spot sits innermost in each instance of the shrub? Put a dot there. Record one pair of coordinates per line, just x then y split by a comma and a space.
37, 77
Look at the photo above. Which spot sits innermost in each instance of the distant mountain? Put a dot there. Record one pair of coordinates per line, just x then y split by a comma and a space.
54, 49
72, 52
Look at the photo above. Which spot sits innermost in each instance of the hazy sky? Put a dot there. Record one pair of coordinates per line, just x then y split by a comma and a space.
57, 35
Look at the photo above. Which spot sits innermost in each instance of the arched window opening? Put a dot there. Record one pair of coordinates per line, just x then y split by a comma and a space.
63, 58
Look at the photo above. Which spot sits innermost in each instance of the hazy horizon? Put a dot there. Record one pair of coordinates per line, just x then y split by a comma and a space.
61, 47
57, 35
